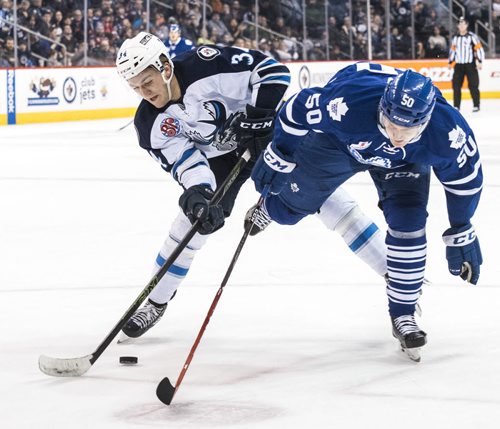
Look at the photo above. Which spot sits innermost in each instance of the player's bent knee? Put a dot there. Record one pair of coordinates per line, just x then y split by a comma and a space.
280, 213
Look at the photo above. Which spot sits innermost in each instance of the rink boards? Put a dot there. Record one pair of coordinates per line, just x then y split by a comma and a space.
37, 95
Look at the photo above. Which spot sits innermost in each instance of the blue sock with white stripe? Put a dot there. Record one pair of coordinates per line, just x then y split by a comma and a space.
406, 257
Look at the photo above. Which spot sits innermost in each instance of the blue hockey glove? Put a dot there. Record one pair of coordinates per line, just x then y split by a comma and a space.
463, 253
272, 169
195, 203
255, 129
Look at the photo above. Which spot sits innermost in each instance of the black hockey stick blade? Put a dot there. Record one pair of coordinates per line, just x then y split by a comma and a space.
165, 391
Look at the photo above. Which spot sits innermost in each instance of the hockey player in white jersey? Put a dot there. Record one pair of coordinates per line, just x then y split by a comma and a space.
193, 120
397, 126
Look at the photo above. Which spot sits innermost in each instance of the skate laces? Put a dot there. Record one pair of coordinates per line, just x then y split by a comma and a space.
260, 218
149, 314
406, 324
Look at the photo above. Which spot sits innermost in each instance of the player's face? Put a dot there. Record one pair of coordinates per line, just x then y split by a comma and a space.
149, 85
399, 136
174, 36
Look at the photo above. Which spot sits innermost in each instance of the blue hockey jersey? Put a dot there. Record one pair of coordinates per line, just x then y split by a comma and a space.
182, 45
346, 109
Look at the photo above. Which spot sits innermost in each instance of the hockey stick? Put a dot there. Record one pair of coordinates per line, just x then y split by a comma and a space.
165, 390
126, 125
73, 367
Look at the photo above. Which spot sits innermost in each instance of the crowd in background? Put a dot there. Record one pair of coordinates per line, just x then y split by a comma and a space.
51, 32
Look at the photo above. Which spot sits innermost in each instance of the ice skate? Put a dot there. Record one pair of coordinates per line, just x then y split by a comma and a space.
410, 336
257, 219
142, 320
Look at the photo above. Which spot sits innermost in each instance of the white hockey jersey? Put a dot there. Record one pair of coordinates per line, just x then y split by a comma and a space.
216, 85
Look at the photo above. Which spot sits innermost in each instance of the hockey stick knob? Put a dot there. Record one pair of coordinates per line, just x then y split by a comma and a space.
165, 391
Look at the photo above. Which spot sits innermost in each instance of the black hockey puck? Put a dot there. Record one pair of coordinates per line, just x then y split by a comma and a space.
128, 360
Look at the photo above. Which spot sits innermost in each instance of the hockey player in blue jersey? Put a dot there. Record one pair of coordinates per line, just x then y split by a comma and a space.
397, 126
176, 44
195, 110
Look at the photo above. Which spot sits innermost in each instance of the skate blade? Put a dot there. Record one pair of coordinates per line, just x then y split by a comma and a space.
413, 354
418, 310
124, 338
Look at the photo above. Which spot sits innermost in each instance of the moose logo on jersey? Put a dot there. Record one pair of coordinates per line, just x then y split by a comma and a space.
217, 129
170, 127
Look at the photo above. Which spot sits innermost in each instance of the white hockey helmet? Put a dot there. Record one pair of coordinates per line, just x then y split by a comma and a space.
140, 52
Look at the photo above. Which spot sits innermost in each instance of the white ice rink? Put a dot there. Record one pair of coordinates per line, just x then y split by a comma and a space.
300, 339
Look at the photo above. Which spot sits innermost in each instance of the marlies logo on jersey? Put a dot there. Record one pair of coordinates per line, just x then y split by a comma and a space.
456, 137
337, 108
207, 53
170, 127
361, 145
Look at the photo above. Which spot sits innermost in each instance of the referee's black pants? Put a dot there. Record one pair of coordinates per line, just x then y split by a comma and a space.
462, 70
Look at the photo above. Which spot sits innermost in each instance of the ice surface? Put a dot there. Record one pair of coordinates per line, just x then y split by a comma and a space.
300, 338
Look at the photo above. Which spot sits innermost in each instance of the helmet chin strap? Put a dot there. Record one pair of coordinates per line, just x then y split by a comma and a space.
168, 80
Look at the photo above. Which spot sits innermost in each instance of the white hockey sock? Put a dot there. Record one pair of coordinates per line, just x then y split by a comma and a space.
169, 283
341, 213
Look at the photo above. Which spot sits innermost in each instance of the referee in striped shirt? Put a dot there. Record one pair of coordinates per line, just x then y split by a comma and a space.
468, 54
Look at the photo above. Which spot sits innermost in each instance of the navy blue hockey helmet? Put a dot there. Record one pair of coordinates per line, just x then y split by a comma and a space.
408, 99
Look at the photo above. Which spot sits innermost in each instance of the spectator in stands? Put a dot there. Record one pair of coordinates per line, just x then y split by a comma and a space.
135, 10
5, 13
400, 14
68, 40
396, 44
476, 10
347, 34
378, 37
315, 18
236, 10
265, 47
216, 22
360, 46
317, 52
437, 45
204, 39
23, 13
280, 50
36, 8
176, 44
431, 20
337, 55
420, 13
239, 42
45, 22
7, 53
57, 52
104, 53
190, 29
496, 11
57, 20
195, 10
420, 53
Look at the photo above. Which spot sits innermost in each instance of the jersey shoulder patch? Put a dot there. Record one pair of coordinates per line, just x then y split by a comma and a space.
207, 53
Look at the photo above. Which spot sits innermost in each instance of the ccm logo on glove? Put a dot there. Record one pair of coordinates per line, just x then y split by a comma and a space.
257, 125
276, 162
